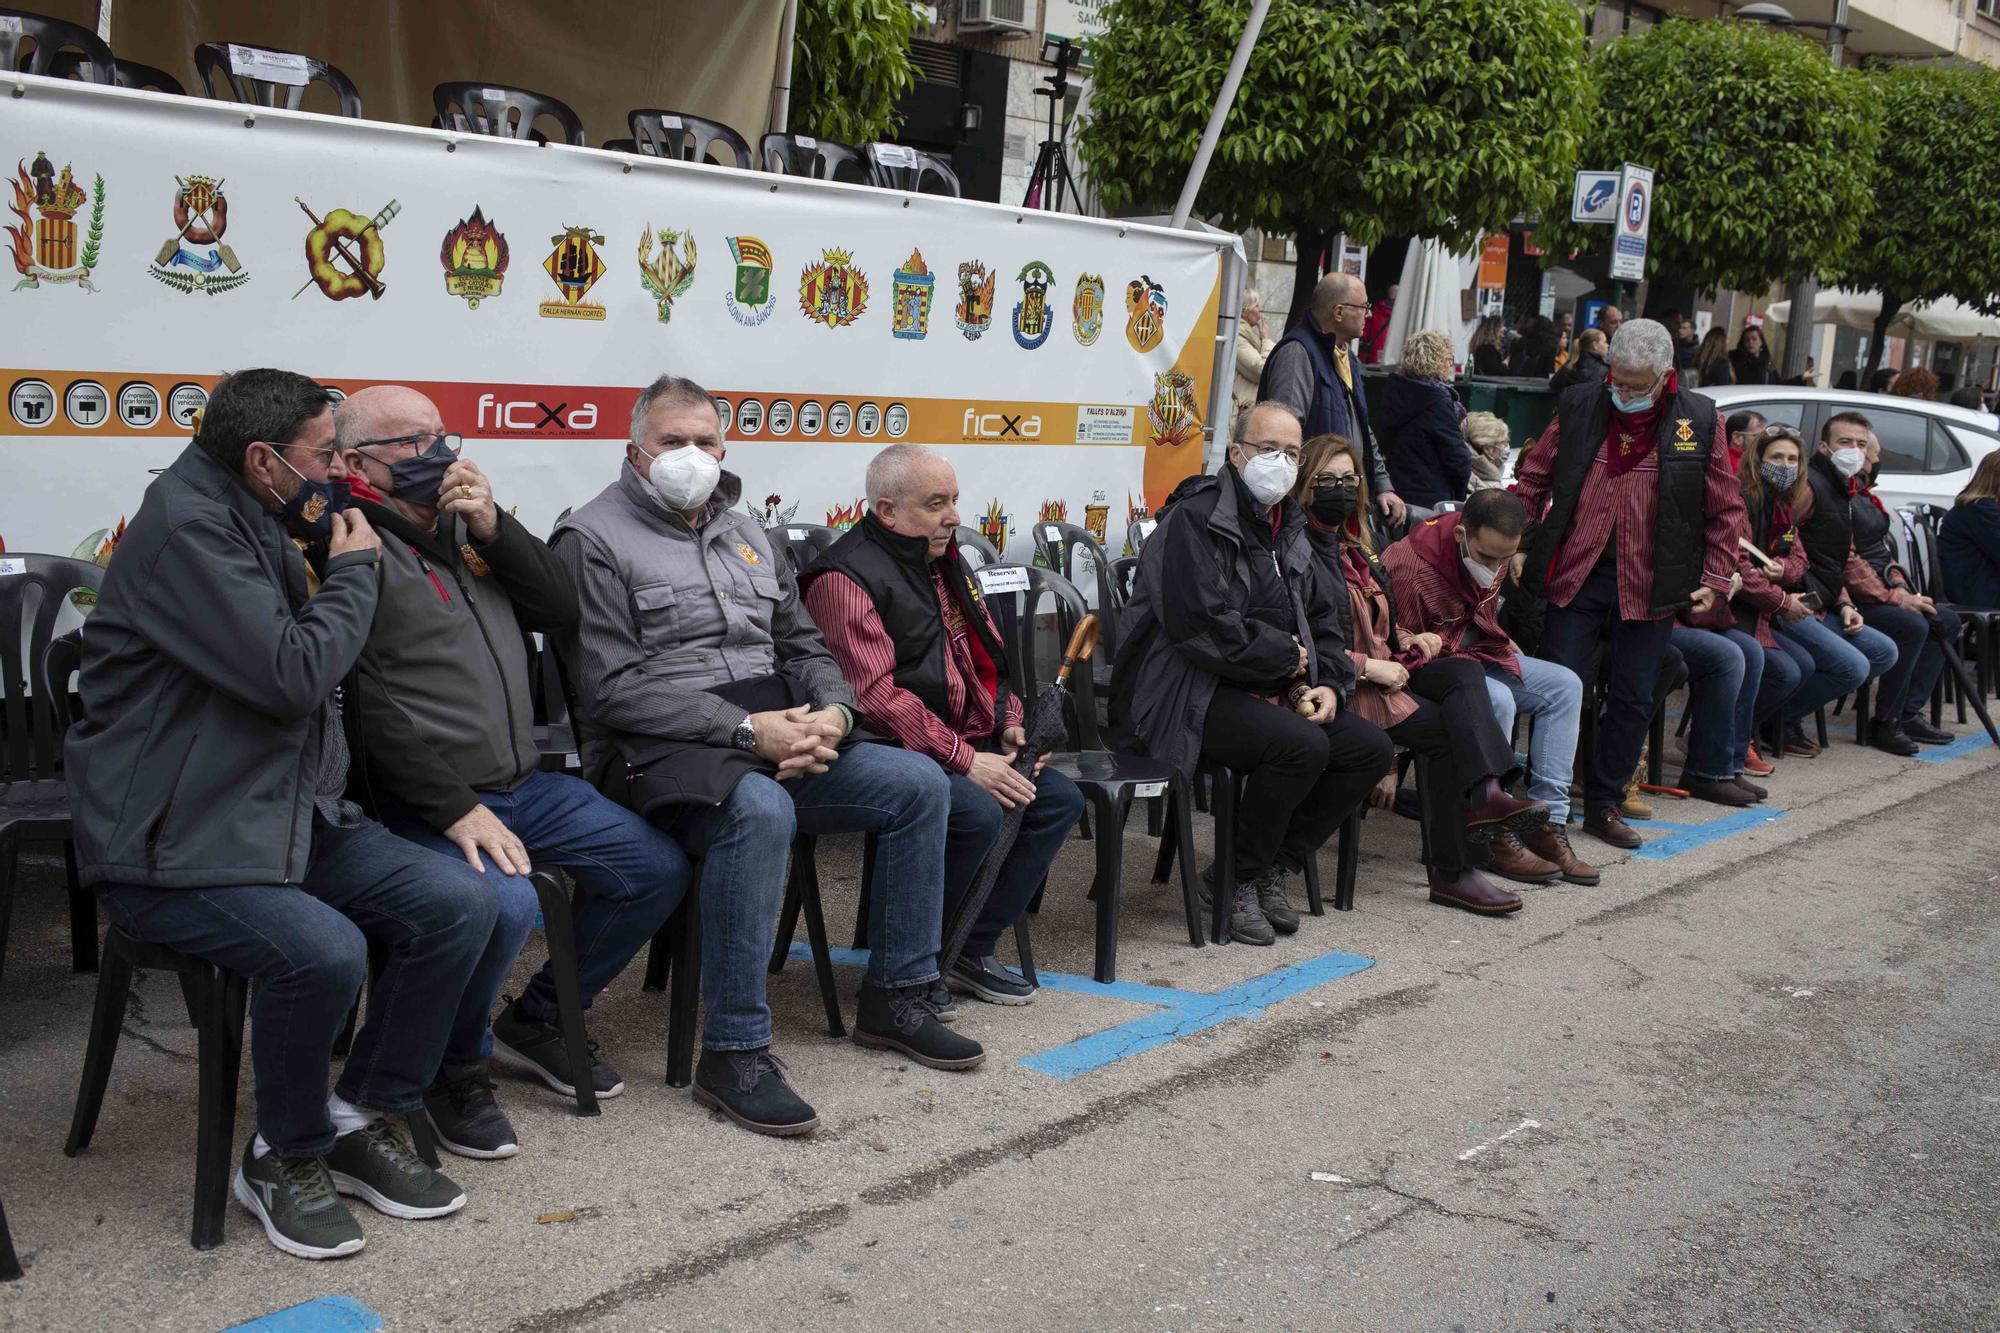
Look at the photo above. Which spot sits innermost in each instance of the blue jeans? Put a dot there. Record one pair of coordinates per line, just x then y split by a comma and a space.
745, 843
1723, 676
1785, 669
632, 875
1553, 697
1841, 662
1570, 636
305, 951
975, 826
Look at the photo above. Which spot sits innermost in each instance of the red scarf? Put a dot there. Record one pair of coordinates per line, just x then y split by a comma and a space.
1630, 436
1854, 488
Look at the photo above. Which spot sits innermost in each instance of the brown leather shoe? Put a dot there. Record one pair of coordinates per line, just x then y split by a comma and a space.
1507, 858
1551, 843
1497, 811
1607, 825
1716, 791
1472, 891
1798, 744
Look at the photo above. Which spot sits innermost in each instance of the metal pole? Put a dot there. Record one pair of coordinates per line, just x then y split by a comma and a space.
1798, 331
781, 90
1223, 101
1222, 394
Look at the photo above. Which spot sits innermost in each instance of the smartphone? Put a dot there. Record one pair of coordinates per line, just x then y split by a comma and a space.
1812, 601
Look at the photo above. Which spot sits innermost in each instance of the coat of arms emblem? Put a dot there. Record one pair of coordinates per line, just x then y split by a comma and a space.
1172, 414
1031, 312
474, 255
574, 266
750, 302
196, 258
1086, 309
44, 245
910, 313
344, 252
833, 292
1145, 313
975, 299
672, 273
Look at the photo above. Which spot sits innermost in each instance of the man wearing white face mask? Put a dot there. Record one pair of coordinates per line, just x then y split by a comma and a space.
707, 701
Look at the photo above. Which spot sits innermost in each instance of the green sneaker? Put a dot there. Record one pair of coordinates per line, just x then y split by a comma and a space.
377, 1165
295, 1200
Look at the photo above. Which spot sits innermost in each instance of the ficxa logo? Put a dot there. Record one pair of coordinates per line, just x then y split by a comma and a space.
528, 417
1001, 425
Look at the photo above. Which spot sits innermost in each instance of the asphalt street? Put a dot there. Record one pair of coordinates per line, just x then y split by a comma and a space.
1749, 1082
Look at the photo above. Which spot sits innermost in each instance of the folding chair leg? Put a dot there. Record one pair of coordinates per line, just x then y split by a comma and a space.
1182, 820
1348, 864
1819, 721
82, 916
1109, 880
1155, 817
863, 903
10, 1264
1314, 903
107, 1019
809, 907
1169, 833
1025, 947
220, 1047
685, 998
559, 933
659, 954
1861, 714
1223, 800
788, 918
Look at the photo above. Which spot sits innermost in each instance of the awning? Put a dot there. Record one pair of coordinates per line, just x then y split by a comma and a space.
1429, 296
1948, 320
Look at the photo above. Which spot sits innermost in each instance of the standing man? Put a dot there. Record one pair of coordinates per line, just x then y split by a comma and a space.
207, 773
708, 701
1312, 372
912, 635
1636, 517
443, 719
1609, 319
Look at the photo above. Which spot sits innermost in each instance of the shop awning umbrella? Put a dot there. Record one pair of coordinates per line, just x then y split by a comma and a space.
1047, 727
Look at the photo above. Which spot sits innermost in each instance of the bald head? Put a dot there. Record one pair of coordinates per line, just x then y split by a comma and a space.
913, 492
383, 412
1340, 305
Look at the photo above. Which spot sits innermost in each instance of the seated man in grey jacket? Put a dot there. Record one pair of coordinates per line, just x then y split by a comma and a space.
207, 773
707, 700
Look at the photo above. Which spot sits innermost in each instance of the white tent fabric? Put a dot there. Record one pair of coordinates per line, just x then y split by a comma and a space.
1947, 321
1428, 298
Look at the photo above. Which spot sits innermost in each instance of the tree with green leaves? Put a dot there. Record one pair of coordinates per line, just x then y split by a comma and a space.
1762, 152
1373, 117
1935, 228
850, 66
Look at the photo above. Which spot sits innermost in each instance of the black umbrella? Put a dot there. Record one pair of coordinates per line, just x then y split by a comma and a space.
1967, 690
1046, 727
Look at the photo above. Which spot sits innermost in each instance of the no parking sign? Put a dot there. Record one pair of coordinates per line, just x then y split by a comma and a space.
1635, 220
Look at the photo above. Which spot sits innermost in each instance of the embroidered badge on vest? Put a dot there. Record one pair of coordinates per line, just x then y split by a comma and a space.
749, 554
1684, 440
479, 568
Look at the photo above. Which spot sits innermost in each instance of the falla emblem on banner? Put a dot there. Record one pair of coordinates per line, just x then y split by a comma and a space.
773, 512
196, 258
1135, 514
975, 299
846, 516
474, 255
1172, 413
1145, 313
44, 245
833, 291
751, 302
1031, 312
670, 275
1097, 516
1086, 309
910, 312
344, 252
993, 525
574, 266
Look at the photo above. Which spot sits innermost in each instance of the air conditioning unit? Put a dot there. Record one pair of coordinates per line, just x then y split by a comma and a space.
994, 16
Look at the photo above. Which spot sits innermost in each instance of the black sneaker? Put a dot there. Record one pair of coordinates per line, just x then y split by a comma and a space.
464, 1115
295, 1199
1273, 903
901, 1020
1919, 729
537, 1048
1247, 924
984, 979
750, 1088
942, 1002
377, 1165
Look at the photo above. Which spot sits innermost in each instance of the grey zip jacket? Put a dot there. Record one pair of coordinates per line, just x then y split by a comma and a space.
205, 667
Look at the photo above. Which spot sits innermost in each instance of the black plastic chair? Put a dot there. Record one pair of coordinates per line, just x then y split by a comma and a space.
503, 112
125, 74
34, 802
686, 138
802, 543
213, 58
37, 44
898, 167
1058, 544
820, 159
972, 542
620, 146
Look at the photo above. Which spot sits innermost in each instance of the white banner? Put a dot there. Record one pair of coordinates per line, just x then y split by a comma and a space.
1064, 364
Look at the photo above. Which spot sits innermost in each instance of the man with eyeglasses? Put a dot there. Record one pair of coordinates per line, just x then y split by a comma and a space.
1313, 372
442, 716
1743, 428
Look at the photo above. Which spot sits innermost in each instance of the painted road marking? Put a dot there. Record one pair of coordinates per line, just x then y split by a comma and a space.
328, 1314
1687, 837
1477, 1149
1178, 1013
1959, 748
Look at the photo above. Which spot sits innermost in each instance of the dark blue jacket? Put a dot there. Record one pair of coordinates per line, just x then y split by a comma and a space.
1969, 550
1300, 373
1428, 458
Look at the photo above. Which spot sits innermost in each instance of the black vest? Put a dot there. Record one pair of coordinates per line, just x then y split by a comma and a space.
1688, 435
895, 572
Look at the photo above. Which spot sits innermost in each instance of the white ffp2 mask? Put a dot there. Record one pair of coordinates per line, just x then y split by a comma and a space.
1270, 477
685, 477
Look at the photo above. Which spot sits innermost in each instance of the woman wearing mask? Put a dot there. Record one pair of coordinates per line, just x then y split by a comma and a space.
1486, 435
1751, 361
1436, 705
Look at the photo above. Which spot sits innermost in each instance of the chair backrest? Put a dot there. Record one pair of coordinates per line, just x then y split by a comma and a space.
1058, 544
1929, 518
59, 664
974, 550
894, 166
821, 159
621, 146
935, 176
263, 76
502, 112
1124, 577
801, 543
33, 590
38, 44
688, 138
125, 73
1015, 596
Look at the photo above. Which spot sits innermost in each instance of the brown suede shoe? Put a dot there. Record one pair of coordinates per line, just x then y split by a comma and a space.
1607, 825
1551, 843
1472, 891
1507, 858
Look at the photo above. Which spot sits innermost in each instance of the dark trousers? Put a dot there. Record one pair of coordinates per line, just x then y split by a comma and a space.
1453, 731
1906, 687
974, 827
1570, 635
1302, 779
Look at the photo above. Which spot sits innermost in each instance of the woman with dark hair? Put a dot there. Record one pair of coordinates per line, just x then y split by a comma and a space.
1535, 356
1969, 541
1711, 362
1751, 361
1487, 358
1775, 492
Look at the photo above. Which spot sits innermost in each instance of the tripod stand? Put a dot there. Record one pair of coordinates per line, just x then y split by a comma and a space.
1051, 177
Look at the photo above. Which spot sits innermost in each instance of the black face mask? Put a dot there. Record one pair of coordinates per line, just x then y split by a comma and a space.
419, 477
1333, 505
308, 515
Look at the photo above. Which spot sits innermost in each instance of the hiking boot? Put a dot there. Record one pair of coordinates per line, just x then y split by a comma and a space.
1921, 731
1273, 903
1716, 791
900, 1019
537, 1048
942, 1002
295, 1199
984, 979
1551, 843
377, 1165
750, 1088
1799, 744
1607, 825
464, 1114
1890, 738
1472, 891
1509, 858
1247, 922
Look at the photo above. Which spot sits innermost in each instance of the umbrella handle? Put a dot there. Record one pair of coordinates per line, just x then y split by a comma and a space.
1082, 643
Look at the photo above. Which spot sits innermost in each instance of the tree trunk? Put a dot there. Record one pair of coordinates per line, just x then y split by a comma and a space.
1891, 307
1311, 243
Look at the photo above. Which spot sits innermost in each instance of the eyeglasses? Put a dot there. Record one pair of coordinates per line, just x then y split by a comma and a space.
279, 450
1326, 481
451, 440
1777, 430
1257, 449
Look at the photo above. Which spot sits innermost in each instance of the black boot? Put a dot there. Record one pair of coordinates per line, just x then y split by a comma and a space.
750, 1088
900, 1019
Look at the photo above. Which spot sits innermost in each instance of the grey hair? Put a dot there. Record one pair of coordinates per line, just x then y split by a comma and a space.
1427, 355
1484, 428
889, 471
674, 389
1263, 404
1642, 344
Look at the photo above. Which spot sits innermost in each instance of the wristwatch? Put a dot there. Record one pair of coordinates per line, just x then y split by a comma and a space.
744, 737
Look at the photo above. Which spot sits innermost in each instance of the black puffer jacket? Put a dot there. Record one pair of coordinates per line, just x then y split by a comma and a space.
1429, 461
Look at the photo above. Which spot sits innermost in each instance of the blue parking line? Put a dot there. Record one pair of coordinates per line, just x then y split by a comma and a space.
1688, 837
328, 1314
1959, 748
1179, 1013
